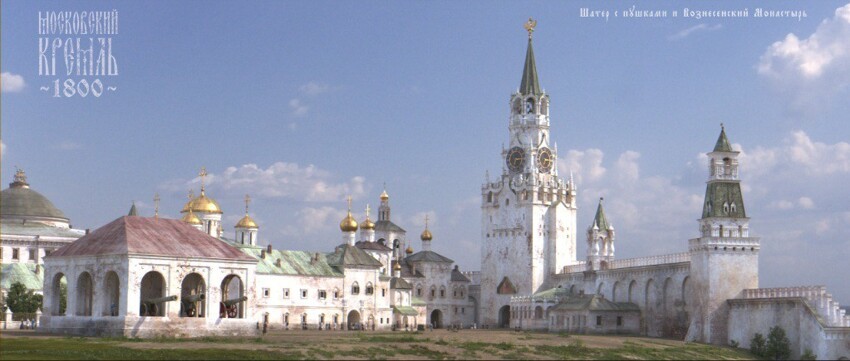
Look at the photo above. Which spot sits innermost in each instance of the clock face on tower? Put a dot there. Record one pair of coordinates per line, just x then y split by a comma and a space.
515, 159
544, 160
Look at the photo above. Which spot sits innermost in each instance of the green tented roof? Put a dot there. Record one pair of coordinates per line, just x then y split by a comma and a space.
718, 194
600, 220
529, 84
351, 256
552, 293
23, 273
722, 144
427, 256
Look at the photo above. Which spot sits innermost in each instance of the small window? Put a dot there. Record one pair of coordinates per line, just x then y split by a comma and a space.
285, 293
336, 294
442, 293
16, 253
355, 289
46, 253
462, 310
286, 319
303, 293
419, 291
33, 253
455, 310
323, 294
433, 293
619, 320
599, 320
369, 289
383, 292
266, 292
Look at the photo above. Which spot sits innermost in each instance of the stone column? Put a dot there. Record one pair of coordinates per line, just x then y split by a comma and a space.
7, 319
37, 318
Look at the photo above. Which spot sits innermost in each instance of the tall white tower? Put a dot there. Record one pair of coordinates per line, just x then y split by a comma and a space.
600, 241
528, 214
724, 259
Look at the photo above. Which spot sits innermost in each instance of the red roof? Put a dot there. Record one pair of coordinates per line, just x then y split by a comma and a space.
132, 235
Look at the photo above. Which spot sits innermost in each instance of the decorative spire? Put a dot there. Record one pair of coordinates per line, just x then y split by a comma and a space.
529, 84
722, 144
156, 205
20, 179
426, 234
133, 211
600, 220
247, 201
203, 174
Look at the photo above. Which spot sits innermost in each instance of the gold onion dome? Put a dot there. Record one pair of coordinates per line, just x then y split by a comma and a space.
246, 222
426, 235
367, 224
409, 250
191, 218
384, 195
348, 224
202, 204
396, 266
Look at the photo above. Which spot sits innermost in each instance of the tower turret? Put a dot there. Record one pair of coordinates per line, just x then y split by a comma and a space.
426, 237
348, 226
600, 241
246, 228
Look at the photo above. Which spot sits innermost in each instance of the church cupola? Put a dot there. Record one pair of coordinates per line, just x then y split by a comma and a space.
205, 208
384, 208
348, 226
246, 228
367, 228
600, 240
191, 218
426, 237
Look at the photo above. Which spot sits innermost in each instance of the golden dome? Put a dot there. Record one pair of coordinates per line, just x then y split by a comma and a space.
426, 235
203, 204
191, 218
409, 250
348, 224
367, 224
396, 266
246, 222
384, 195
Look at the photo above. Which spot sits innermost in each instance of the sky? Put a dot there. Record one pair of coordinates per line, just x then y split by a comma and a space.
302, 103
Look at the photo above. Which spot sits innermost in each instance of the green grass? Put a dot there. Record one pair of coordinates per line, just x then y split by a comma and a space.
375, 346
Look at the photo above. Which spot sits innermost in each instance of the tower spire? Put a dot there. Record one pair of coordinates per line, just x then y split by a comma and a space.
722, 144
529, 84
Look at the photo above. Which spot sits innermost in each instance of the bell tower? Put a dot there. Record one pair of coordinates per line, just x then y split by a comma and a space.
528, 214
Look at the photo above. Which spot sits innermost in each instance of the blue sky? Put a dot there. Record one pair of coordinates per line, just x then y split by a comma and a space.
302, 103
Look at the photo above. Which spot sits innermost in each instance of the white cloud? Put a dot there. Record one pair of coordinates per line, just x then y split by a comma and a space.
11, 83
799, 153
279, 180
782, 205
298, 108
585, 165
806, 203
314, 88
813, 69
696, 28
314, 220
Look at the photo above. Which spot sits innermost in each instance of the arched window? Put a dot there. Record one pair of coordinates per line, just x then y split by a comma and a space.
112, 294
529, 106
727, 166
232, 297
336, 293
433, 292
369, 289
193, 294
544, 106
355, 288
84, 292
538, 312
382, 241
442, 291
60, 286
490, 197
152, 291
517, 106
418, 290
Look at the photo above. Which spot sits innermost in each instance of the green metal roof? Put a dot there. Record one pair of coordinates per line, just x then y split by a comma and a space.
416, 301
529, 84
405, 310
552, 293
351, 256
718, 194
600, 220
283, 262
594, 303
23, 273
25, 202
722, 144
427, 256
133, 211
400, 284
37, 229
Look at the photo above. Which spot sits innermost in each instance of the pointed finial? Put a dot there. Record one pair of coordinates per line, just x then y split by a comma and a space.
529, 26
191, 195
722, 127
349, 204
247, 201
20, 179
202, 174
367, 211
156, 205
426, 221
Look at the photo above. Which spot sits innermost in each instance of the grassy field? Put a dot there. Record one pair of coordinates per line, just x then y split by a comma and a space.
290, 345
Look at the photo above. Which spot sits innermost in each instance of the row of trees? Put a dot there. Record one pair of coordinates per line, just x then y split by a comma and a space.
777, 346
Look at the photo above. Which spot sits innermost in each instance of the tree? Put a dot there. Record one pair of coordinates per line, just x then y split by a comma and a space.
22, 300
757, 345
778, 346
808, 355
63, 298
